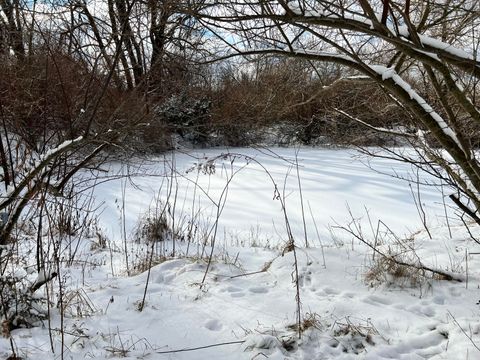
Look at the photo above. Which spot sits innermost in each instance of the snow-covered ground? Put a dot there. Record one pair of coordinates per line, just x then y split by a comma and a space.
354, 305
332, 182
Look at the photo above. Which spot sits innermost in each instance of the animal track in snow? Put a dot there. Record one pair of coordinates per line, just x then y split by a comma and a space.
169, 270
258, 290
427, 311
305, 279
232, 289
330, 291
213, 325
235, 292
419, 346
375, 299
455, 291
423, 309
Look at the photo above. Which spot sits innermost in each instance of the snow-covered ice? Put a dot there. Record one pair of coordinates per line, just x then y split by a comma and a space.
331, 180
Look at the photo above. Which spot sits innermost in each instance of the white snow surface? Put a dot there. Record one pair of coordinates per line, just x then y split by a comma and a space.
332, 181
249, 313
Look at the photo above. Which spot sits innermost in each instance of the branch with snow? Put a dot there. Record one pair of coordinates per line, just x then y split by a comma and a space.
390, 73
40, 166
43, 277
378, 129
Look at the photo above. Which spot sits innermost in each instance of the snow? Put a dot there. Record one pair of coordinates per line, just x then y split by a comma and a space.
402, 30
332, 181
246, 307
43, 276
321, 54
60, 147
437, 44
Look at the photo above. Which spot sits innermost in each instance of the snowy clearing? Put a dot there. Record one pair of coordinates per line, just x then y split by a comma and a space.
331, 180
354, 305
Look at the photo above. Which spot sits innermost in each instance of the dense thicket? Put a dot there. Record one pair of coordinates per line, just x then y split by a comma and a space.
95, 68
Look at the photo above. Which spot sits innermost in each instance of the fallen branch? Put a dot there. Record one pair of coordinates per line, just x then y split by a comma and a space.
419, 266
200, 347
247, 274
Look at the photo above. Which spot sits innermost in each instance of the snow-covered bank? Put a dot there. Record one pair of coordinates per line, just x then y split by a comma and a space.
354, 306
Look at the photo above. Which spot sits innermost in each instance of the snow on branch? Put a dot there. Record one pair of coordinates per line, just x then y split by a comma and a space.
428, 41
378, 129
390, 73
326, 15
43, 277
39, 166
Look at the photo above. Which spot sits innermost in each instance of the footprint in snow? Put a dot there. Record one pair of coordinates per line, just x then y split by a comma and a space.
232, 289
235, 292
419, 346
427, 311
305, 279
213, 325
330, 291
258, 290
375, 300
164, 278
327, 293
454, 291
428, 340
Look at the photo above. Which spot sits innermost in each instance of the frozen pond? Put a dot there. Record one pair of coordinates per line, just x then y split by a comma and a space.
333, 183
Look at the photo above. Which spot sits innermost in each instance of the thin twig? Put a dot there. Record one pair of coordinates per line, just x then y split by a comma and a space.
301, 198
200, 347
318, 234
247, 274
468, 336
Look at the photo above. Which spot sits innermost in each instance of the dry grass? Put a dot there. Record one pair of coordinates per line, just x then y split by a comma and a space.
309, 321
353, 337
386, 270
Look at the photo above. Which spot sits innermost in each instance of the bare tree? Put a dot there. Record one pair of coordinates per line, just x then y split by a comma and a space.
59, 114
422, 54
70, 93
11, 28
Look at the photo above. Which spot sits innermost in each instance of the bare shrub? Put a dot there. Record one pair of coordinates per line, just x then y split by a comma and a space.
152, 228
353, 337
309, 321
150, 236
387, 270
394, 260
20, 306
400, 265
247, 103
76, 303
